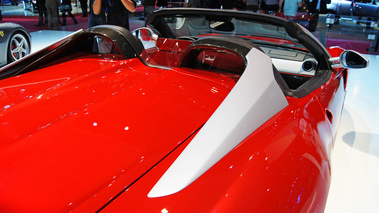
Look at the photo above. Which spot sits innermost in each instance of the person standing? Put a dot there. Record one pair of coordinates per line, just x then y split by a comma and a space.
52, 13
252, 5
290, 7
66, 7
148, 6
162, 3
99, 18
114, 12
270, 5
227, 4
84, 6
41, 12
214, 4
1, 16
118, 12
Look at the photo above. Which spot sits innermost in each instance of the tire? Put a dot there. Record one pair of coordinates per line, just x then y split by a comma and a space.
18, 47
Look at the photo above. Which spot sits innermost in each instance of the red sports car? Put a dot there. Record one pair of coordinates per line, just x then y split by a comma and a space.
204, 111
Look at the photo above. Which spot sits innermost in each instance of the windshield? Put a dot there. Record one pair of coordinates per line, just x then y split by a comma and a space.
202, 25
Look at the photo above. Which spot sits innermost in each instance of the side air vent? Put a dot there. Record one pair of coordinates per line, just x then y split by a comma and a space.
309, 65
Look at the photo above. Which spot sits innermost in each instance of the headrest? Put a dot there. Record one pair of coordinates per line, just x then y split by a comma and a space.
222, 53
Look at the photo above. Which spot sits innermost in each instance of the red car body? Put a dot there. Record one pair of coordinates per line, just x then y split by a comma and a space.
89, 132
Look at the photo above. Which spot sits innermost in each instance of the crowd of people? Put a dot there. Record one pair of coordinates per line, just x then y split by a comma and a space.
114, 12
48, 12
288, 7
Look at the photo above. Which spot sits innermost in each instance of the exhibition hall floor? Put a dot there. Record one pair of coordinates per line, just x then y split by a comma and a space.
355, 158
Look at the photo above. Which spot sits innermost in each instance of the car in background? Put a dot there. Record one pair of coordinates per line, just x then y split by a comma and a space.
200, 111
30, 5
141, 9
356, 10
15, 43
304, 16
27, 4
9, 2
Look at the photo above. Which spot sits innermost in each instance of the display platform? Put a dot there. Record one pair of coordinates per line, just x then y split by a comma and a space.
355, 158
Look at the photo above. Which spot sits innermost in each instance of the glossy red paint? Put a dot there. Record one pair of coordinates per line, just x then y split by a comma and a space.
93, 133
335, 51
286, 160
274, 163
78, 129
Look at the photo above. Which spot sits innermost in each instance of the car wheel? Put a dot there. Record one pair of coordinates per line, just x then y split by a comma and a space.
18, 47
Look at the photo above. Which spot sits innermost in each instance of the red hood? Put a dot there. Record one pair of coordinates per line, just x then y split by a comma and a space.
69, 132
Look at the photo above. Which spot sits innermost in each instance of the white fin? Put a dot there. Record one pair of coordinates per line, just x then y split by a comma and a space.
254, 99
